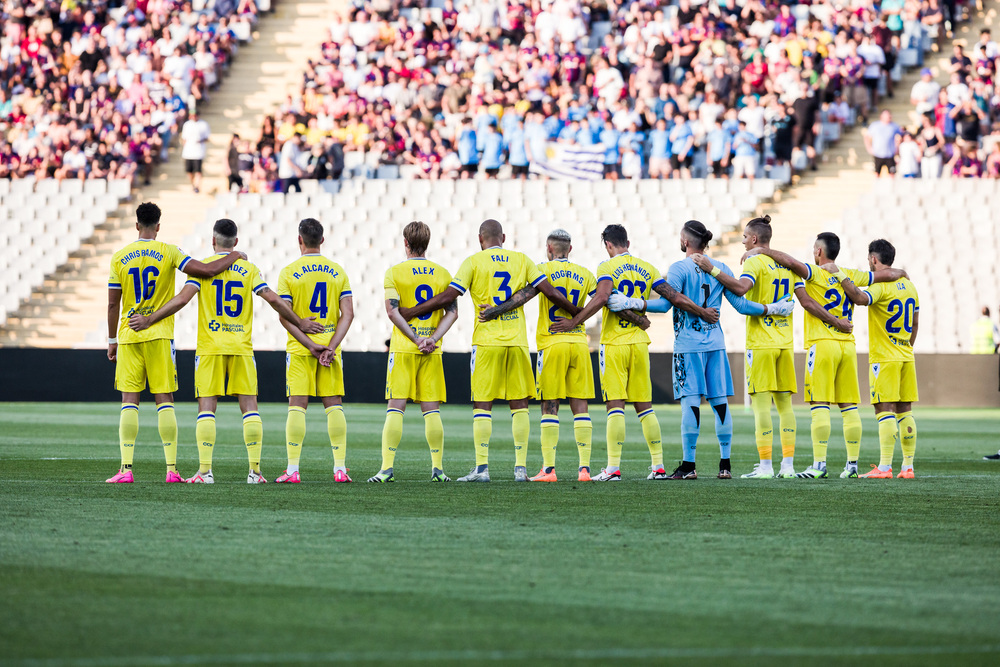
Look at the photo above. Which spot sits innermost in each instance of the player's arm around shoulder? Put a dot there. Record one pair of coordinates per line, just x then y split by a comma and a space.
847, 280
197, 269
139, 322
801, 269
668, 290
738, 286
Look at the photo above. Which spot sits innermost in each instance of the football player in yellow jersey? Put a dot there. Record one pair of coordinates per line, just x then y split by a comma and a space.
831, 358
770, 360
501, 364
415, 369
624, 353
142, 280
315, 286
893, 318
224, 363
563, 368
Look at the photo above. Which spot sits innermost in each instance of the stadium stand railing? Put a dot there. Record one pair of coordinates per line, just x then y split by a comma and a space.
42, 223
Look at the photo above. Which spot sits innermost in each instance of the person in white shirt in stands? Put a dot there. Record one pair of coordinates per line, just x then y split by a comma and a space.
194, 134
924, 94
874, 58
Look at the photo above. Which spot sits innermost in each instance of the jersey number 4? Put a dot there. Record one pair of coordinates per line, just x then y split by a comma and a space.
318, 303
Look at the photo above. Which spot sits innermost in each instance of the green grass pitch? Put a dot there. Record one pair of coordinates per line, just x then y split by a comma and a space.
707, 572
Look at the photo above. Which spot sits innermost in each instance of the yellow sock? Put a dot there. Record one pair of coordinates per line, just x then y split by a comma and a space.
583, 429
786, 419
616, 437
654, 439
852, 432
128, 430
886, 437
550, 439
253, 437
820, 432
482, 429
907, 437
336, 427
167, 422
434, 432
295, 434
520, 428
761, 403
392, 433
204, 433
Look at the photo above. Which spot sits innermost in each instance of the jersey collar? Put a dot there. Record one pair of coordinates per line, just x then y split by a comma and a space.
494, 247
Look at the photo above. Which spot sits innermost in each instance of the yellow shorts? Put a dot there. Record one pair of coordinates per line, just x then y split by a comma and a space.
501, 373
224, 375
771, 369
625, 373
153, 360
418, 377
832, 372
564, 370
305, 376
893, 382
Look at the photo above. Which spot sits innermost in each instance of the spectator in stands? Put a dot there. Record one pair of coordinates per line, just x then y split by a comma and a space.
931, 143
289, 169
233, 164
882, 142
719, 150
744, 153
909, 157
195, 135
924, 94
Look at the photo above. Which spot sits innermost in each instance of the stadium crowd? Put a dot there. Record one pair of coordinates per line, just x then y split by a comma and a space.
955, 129
94, 89
668, 90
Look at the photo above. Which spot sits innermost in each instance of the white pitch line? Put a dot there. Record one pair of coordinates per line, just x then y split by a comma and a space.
502, 655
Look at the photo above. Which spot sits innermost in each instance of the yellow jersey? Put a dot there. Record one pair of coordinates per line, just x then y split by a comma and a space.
144, 272
632, 277
491, 277
412, 282
822, 286
313, 286
575, 283
771, 282
225, 309
890, 320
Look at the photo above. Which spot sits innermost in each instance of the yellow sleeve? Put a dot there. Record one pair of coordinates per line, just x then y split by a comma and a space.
178, 257
256, 280
860, 278
874, 293
590, 283
390, 286
345, 286
463, 279
114, 280
604, 271
532, 274
283, 289
751, 269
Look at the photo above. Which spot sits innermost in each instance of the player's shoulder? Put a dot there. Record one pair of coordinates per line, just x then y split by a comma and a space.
582, 270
